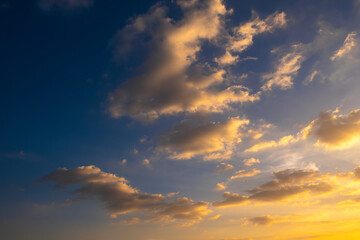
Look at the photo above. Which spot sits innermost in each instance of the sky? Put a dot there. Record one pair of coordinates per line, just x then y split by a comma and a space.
180, 120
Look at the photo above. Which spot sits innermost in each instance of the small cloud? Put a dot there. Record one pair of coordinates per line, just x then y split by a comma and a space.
144, 139
123, 162
251, 161
172, 194
135, 151
146, 163
220, 186
244, 174
224, 167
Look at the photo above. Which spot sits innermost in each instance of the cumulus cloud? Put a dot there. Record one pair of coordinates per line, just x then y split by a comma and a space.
331, 129
170, 82
120, 198
285, 185
285, 70
224, 167
348, 45
50, 5
212, 140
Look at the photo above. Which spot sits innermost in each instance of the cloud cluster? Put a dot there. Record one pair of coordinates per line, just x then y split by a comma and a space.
212, 140
170, 82
331, 130
50, 5
120, 198
285, 185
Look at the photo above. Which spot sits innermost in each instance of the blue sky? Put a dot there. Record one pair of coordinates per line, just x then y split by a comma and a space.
168, 101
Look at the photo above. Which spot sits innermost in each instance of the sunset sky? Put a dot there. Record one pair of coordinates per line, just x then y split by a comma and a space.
180, 120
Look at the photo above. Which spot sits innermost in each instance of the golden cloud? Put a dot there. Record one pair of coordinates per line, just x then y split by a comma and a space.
212, 140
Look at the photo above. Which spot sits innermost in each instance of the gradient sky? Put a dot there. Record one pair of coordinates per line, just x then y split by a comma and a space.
179, 120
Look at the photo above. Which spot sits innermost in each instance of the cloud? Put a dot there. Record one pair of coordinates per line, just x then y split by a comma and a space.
335, 131
120, 198
171, 80
220, 186
238, 174
212, 140
285, 70
250, 161
348, 45
231, 199
227, 59
332, 130
64, 5
245, 33
284, 141
146, 163
263, 220
224, 167
286, 184
244, 174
